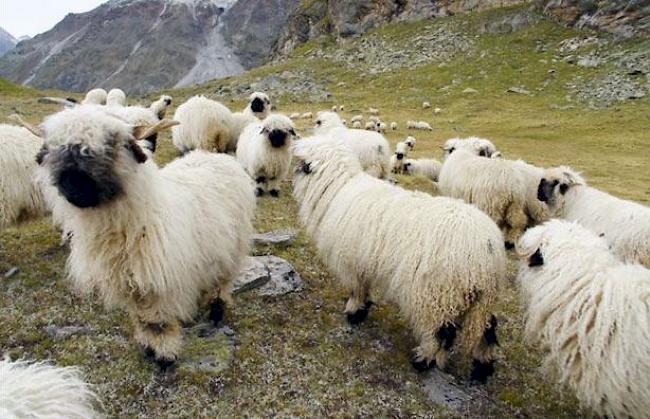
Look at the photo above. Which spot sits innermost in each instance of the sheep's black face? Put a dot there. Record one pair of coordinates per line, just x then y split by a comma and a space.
400, 156
278, 138
304, 167
257, 105
168, 102
545, 190
84, 178
537, 259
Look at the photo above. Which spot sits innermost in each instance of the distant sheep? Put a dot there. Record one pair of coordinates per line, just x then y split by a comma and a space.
116, 97
258, 108
156, 242
307, 115
590, 312
411, 124
479, 146
204, 124
160, 106
341, 108
371, 126
356, 118
264, 151
397, 159
625, 225
356, 125
95, 97
374, 119
382, 127
410, 142
426, 105
373, 111
421, 125
429, 168
39, 390
295, 115
393, 126
443, 265
335, 108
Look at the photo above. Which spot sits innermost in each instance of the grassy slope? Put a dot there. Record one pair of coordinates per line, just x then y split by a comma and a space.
295, 355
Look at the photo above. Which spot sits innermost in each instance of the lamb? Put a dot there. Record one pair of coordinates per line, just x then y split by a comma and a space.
159, 107
258, 108
372, 149
20, 198
265, 152
429, 168
479, 146
421, 125
373, 111
410, 142
624, 224
157, 242
397, 159
495, 186
204, 124
95, 97
590, 312
393, 126
444, 274
116, 97
39, 390
426, 105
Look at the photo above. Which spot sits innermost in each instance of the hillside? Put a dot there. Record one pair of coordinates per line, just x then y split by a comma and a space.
7, 42
542, 91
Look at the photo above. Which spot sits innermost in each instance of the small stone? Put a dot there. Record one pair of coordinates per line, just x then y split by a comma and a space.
275, 237
11, 272
518, 90
271, 274
470, 90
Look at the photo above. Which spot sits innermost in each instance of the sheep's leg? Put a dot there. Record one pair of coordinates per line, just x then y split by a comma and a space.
274, 187
483, 353
358, 306
161, 338
260, 183
434, 348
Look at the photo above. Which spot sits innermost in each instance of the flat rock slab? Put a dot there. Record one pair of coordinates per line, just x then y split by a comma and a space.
208, 349
444, 389
269, 276
275, 237
518, 90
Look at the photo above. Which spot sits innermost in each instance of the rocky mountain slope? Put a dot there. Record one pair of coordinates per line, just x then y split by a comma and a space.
144, 45
7, 42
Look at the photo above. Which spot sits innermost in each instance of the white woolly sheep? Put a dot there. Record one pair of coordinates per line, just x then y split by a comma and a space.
371, 126
410, 142
437, 110
393, 126
479, 146
307, 115
495, 186
335, 108
421, 125
624, 224
374, 119
356, 125
153, 241
345, 122
397, 159
411, 124
444, 274
20, 197
204, 124
356, 118
160, 106
264, 150
295, 115
371, 148
40, 390
341, 108
426, 105
95, 97
116, 97
258, 108
373, 111
382, 127
591, 313
429, 168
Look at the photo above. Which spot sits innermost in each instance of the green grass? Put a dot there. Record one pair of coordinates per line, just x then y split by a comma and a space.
295, 355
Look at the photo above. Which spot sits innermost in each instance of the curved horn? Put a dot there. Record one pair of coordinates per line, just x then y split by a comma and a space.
142, 132
37, 131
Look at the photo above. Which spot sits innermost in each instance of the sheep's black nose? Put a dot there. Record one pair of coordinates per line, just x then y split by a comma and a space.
168, 101
277, 138
400, 156
257, 105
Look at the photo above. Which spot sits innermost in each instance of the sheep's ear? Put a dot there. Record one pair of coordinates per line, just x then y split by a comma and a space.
40, 156
536, 259
142, 132
37, 131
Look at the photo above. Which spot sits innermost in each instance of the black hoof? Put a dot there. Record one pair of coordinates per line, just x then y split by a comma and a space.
360, 315
217, 310
510, 245
165, 364
259, 192
423, 365
274, 193
481, 371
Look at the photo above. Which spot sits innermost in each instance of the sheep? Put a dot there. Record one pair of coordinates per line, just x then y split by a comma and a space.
265, 152
373, 111
382, 127
411, 124
95, 97
295, 115
341, 108
258, 108
335, 108
20, 198
397, 159
307, 115
374, 119
624, 224
479, 146
371, 126
159, 107
493, 185
536, 210
356, 125
590, 311
421, 125
393, 126
204, 124
410, 142
345, 122
116, 97
437, 110
356, 118
372, 149
426, 105
429, 168
444, 274
40, 390
157, 242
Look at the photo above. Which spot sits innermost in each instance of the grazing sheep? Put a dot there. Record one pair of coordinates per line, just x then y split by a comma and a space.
591, 313
382, 127
373, 111
39, 390
95, 97
116, 97
624, 224
307, 115
426, 105
335, 108
393, 126
421, 125
410, 142
356, 125
437, 110
444, 272
536, 210
157, 242
264, 151
374, 119
20, 197
295, 115
160, 106
258, 108
411, 124
342, 108
371, 126
371, 148
357, 118
204, 124
397, 159
495, 186
429, 168
479, 146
